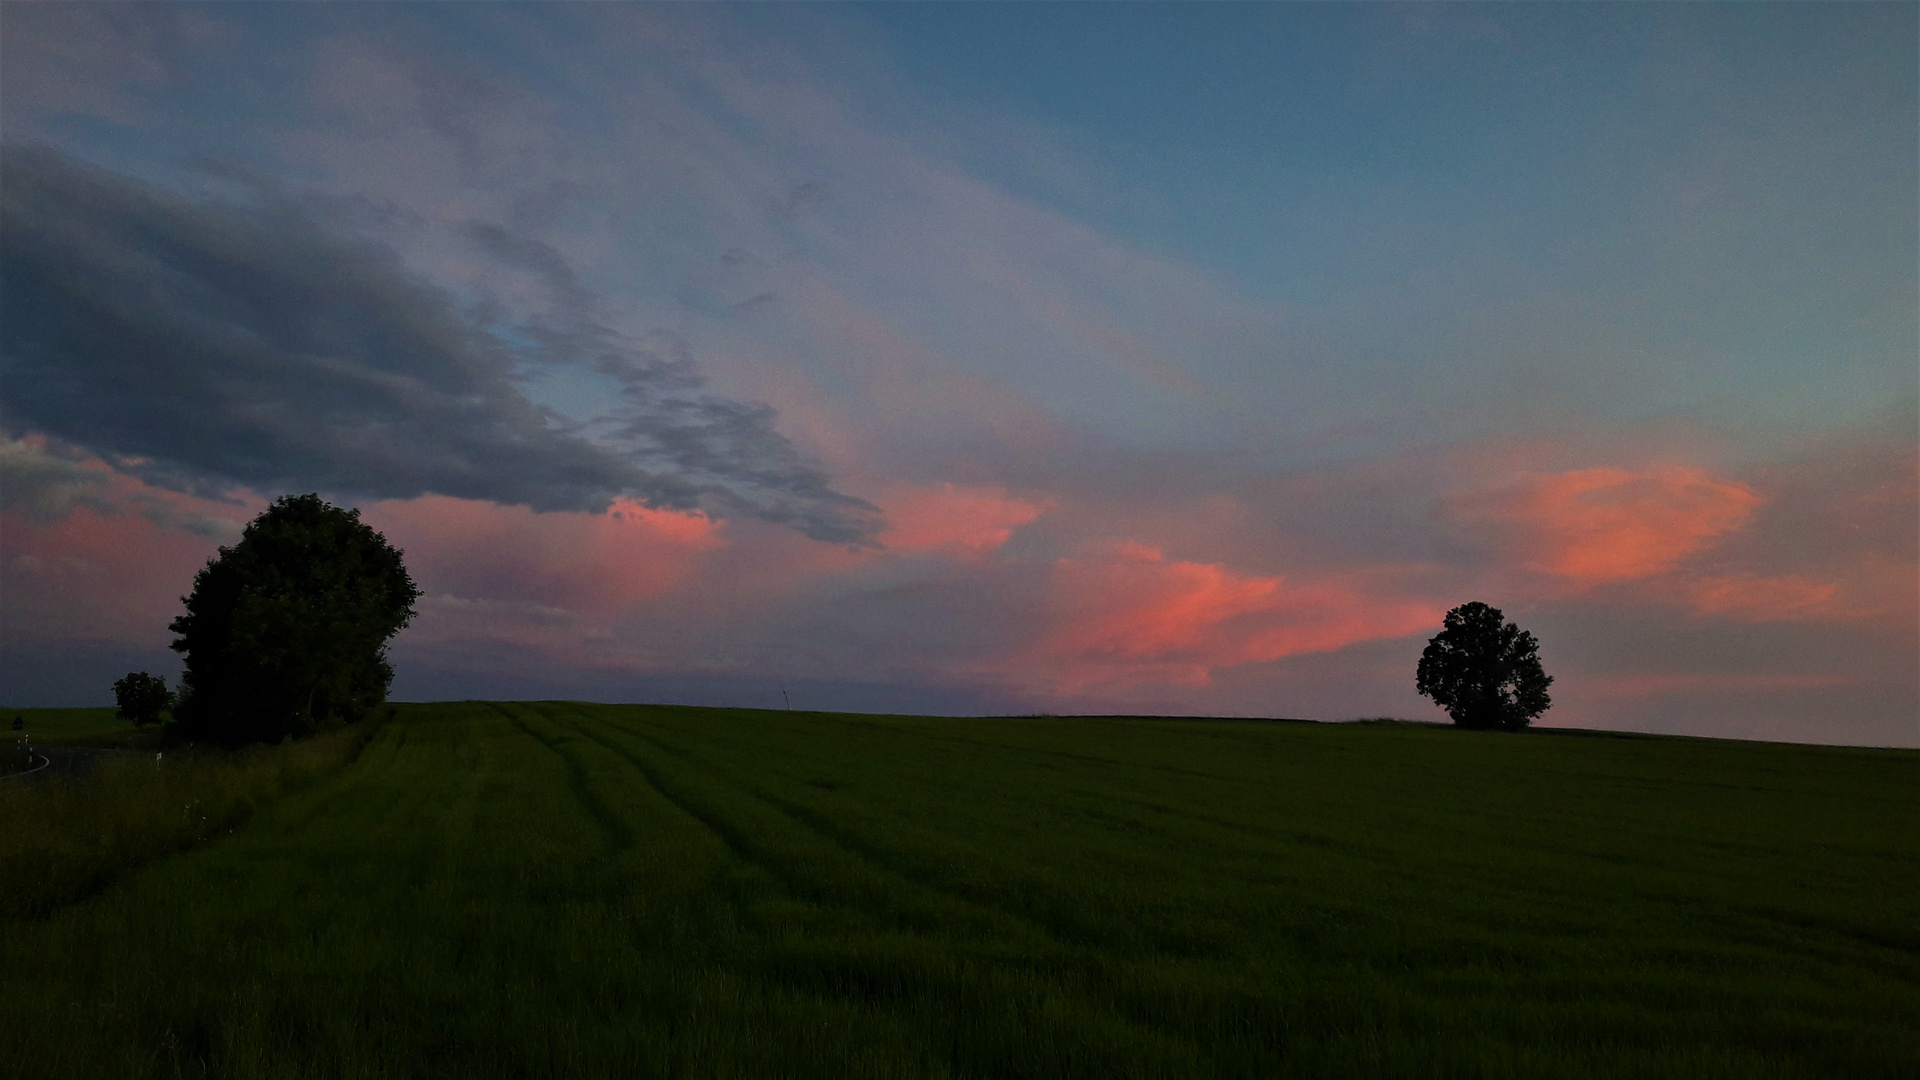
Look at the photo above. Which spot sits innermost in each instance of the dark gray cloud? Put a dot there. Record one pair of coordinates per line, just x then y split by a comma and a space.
214, 342
572, 299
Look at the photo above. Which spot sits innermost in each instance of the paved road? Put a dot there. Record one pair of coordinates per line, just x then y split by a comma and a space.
36, 764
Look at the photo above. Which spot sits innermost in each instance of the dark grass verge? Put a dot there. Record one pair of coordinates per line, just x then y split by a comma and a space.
68, 838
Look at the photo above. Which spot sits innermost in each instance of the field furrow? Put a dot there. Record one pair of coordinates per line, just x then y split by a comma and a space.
617, 832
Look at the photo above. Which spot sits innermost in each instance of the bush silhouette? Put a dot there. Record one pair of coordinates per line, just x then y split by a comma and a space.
1484, 671
286, 631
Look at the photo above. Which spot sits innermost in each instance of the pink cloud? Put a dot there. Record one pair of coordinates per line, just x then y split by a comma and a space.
93, 553
1126, 614
961, 520
96, 574
1605, 525
483, 559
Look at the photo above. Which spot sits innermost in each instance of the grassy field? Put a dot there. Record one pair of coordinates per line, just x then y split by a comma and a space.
67, 725
67, 838
576, 890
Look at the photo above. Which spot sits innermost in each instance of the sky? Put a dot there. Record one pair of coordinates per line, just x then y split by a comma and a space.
1179, 359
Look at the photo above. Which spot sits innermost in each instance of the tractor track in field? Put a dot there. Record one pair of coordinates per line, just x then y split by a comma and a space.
617, 833
871, 856
1081, 954
735, 840
741, 843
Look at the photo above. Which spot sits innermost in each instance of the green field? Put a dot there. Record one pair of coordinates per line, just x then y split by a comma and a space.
578, 890
66, 725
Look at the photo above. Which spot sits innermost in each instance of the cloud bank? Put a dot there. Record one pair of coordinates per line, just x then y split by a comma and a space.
210, 343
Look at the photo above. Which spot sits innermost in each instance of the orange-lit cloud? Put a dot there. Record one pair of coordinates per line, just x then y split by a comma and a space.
1603, 525
1126, 614
961, 520
1766, 599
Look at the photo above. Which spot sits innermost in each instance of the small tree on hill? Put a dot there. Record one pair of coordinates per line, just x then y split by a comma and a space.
141, 698
1484, 671
286, 631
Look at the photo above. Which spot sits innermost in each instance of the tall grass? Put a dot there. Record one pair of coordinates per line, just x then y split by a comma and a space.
66, 838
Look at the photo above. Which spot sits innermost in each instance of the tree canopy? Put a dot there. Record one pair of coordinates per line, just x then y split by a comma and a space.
1484, 671
286, 631
141, 698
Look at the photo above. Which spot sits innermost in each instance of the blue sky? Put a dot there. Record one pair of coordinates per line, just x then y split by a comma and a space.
1329, 158
1189, 358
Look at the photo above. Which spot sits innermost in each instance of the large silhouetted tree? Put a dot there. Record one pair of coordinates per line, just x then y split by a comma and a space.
286, 631
1484, 671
